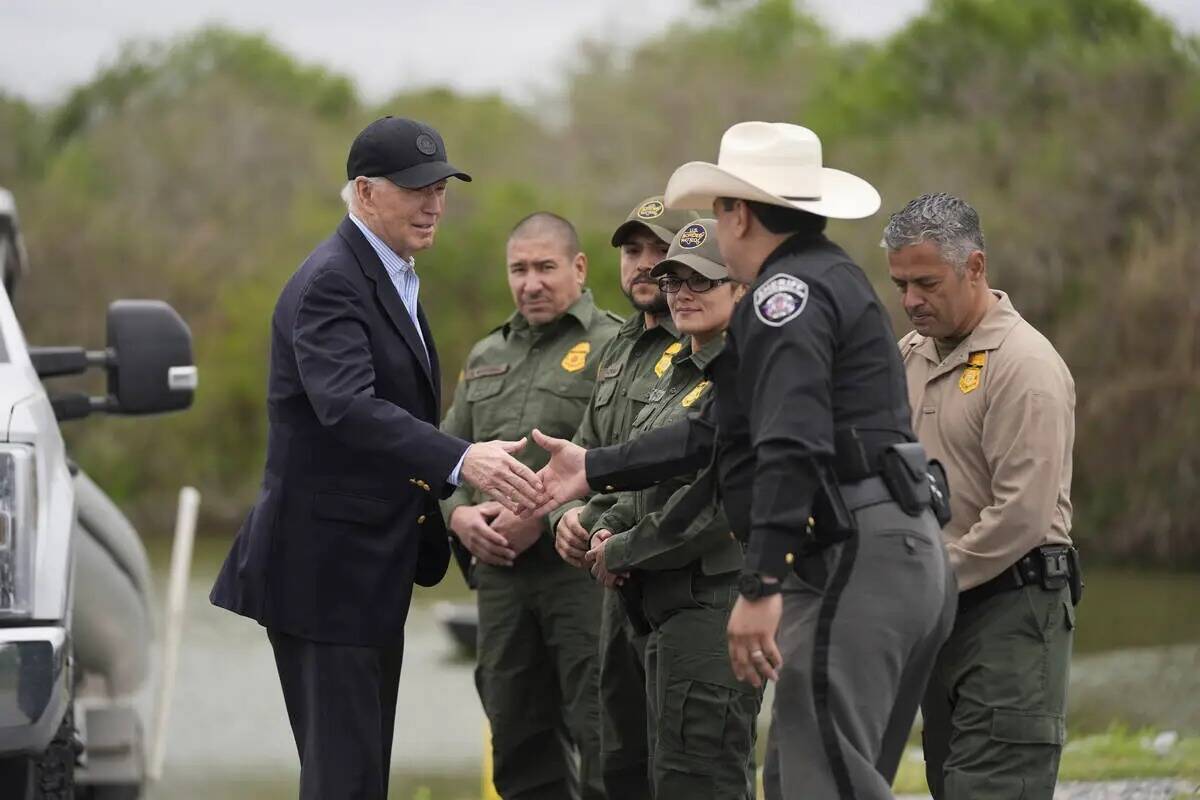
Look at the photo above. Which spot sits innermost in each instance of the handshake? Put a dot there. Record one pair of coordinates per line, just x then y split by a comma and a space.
497, 531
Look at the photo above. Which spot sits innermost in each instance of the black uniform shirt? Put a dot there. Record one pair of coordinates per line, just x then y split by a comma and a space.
809, 351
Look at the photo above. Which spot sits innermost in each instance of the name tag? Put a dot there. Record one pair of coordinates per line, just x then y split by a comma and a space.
485, 371
611, 371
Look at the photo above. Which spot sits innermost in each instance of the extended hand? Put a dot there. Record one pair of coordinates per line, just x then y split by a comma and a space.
571, 538
595, 557
488, 466
751, 633
472, 526
564, 478
520, 532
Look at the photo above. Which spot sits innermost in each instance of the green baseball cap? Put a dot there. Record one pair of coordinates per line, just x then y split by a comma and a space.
652, 215
695, 246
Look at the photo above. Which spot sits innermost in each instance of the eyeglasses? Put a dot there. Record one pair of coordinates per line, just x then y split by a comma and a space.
696, 283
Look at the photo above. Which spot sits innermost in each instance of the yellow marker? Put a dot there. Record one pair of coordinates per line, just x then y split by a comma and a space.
694, 394
489, 789
664, 362
576, 357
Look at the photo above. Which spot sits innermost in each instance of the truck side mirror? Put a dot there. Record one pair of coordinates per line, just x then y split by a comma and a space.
150, 367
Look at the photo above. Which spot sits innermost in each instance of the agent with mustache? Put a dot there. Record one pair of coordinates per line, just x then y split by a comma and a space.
993, 401
630, 366
538, 617
702, 718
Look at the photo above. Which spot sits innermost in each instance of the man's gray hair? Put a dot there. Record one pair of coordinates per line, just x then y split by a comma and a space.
348, 196
941, 218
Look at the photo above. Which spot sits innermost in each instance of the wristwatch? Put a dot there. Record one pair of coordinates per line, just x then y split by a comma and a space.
752, 587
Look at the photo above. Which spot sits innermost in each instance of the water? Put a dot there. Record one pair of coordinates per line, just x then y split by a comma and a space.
1137, 661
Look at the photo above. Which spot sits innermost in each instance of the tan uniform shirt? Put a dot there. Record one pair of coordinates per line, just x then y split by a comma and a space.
999, 413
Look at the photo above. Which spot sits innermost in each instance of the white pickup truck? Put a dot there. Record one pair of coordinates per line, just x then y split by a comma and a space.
76, 627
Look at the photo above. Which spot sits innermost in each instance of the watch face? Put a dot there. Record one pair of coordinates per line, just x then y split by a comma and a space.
750, 585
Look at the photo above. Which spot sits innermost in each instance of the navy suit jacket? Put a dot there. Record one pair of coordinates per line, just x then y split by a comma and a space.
347, 517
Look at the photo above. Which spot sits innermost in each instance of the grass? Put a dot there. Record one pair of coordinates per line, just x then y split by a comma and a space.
1117, 754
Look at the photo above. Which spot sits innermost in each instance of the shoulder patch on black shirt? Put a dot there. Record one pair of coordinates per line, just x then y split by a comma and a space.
780, 300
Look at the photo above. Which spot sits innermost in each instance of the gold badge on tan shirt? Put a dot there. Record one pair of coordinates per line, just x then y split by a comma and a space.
969, 380
694, 394
665, 361
576, 357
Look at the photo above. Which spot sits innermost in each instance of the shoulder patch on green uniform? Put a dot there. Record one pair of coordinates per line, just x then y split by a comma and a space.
576, 357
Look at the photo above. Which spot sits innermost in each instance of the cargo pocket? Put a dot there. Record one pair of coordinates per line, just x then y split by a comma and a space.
483, 388
693, 722
1024, 727
1069, 610
605, 391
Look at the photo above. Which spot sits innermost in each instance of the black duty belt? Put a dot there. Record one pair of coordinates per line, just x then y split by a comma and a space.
1052, 567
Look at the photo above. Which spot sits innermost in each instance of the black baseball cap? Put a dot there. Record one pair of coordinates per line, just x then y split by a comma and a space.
408, 153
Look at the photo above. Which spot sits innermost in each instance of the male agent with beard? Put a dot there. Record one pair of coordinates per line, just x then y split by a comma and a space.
630, 367
538, 617
993, 401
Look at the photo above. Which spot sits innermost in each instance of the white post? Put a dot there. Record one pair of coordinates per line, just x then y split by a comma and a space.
177, 585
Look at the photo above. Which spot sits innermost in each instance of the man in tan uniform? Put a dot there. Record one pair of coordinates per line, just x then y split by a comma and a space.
993, 401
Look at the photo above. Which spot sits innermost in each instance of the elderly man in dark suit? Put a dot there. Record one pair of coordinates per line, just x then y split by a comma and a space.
347, 518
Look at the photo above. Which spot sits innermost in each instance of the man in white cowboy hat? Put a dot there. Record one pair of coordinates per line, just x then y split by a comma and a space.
847, 594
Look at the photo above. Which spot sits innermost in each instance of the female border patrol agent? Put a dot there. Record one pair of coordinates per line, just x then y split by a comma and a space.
810, 442
701, 718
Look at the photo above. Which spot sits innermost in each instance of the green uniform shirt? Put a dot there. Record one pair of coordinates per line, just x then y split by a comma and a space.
519, 377
639, 542
629, 368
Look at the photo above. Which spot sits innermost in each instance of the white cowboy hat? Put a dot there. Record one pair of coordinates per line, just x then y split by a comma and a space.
775, 163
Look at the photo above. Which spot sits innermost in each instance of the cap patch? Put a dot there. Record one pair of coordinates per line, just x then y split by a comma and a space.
651, 209
426, 144
780, 300
692, 236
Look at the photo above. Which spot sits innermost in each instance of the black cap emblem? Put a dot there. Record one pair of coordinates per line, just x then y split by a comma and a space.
426, 144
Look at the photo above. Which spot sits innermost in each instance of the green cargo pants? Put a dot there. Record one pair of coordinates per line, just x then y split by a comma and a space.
995, 709
537, 678
623, 749
703, 721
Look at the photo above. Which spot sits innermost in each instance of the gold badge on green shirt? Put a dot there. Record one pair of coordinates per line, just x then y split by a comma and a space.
576, 357
969, 380
665, 361
694, 394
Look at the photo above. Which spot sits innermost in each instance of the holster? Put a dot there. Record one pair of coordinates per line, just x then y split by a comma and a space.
939, 492
465, 561
905, 469
832, 520
630, 593
1076, 576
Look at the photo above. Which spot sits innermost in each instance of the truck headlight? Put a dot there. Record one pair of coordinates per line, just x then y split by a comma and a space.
18, 513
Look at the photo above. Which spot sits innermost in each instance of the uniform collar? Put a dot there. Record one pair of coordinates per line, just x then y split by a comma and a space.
989, 334
636, 324
704, 356
582, 310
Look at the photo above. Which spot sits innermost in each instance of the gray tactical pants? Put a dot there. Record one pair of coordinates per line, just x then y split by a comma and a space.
862, 625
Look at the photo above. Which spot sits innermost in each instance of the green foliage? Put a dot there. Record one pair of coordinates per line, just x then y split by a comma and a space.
203, 170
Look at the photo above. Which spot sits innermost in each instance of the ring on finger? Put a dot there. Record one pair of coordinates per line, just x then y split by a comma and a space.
756, 653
